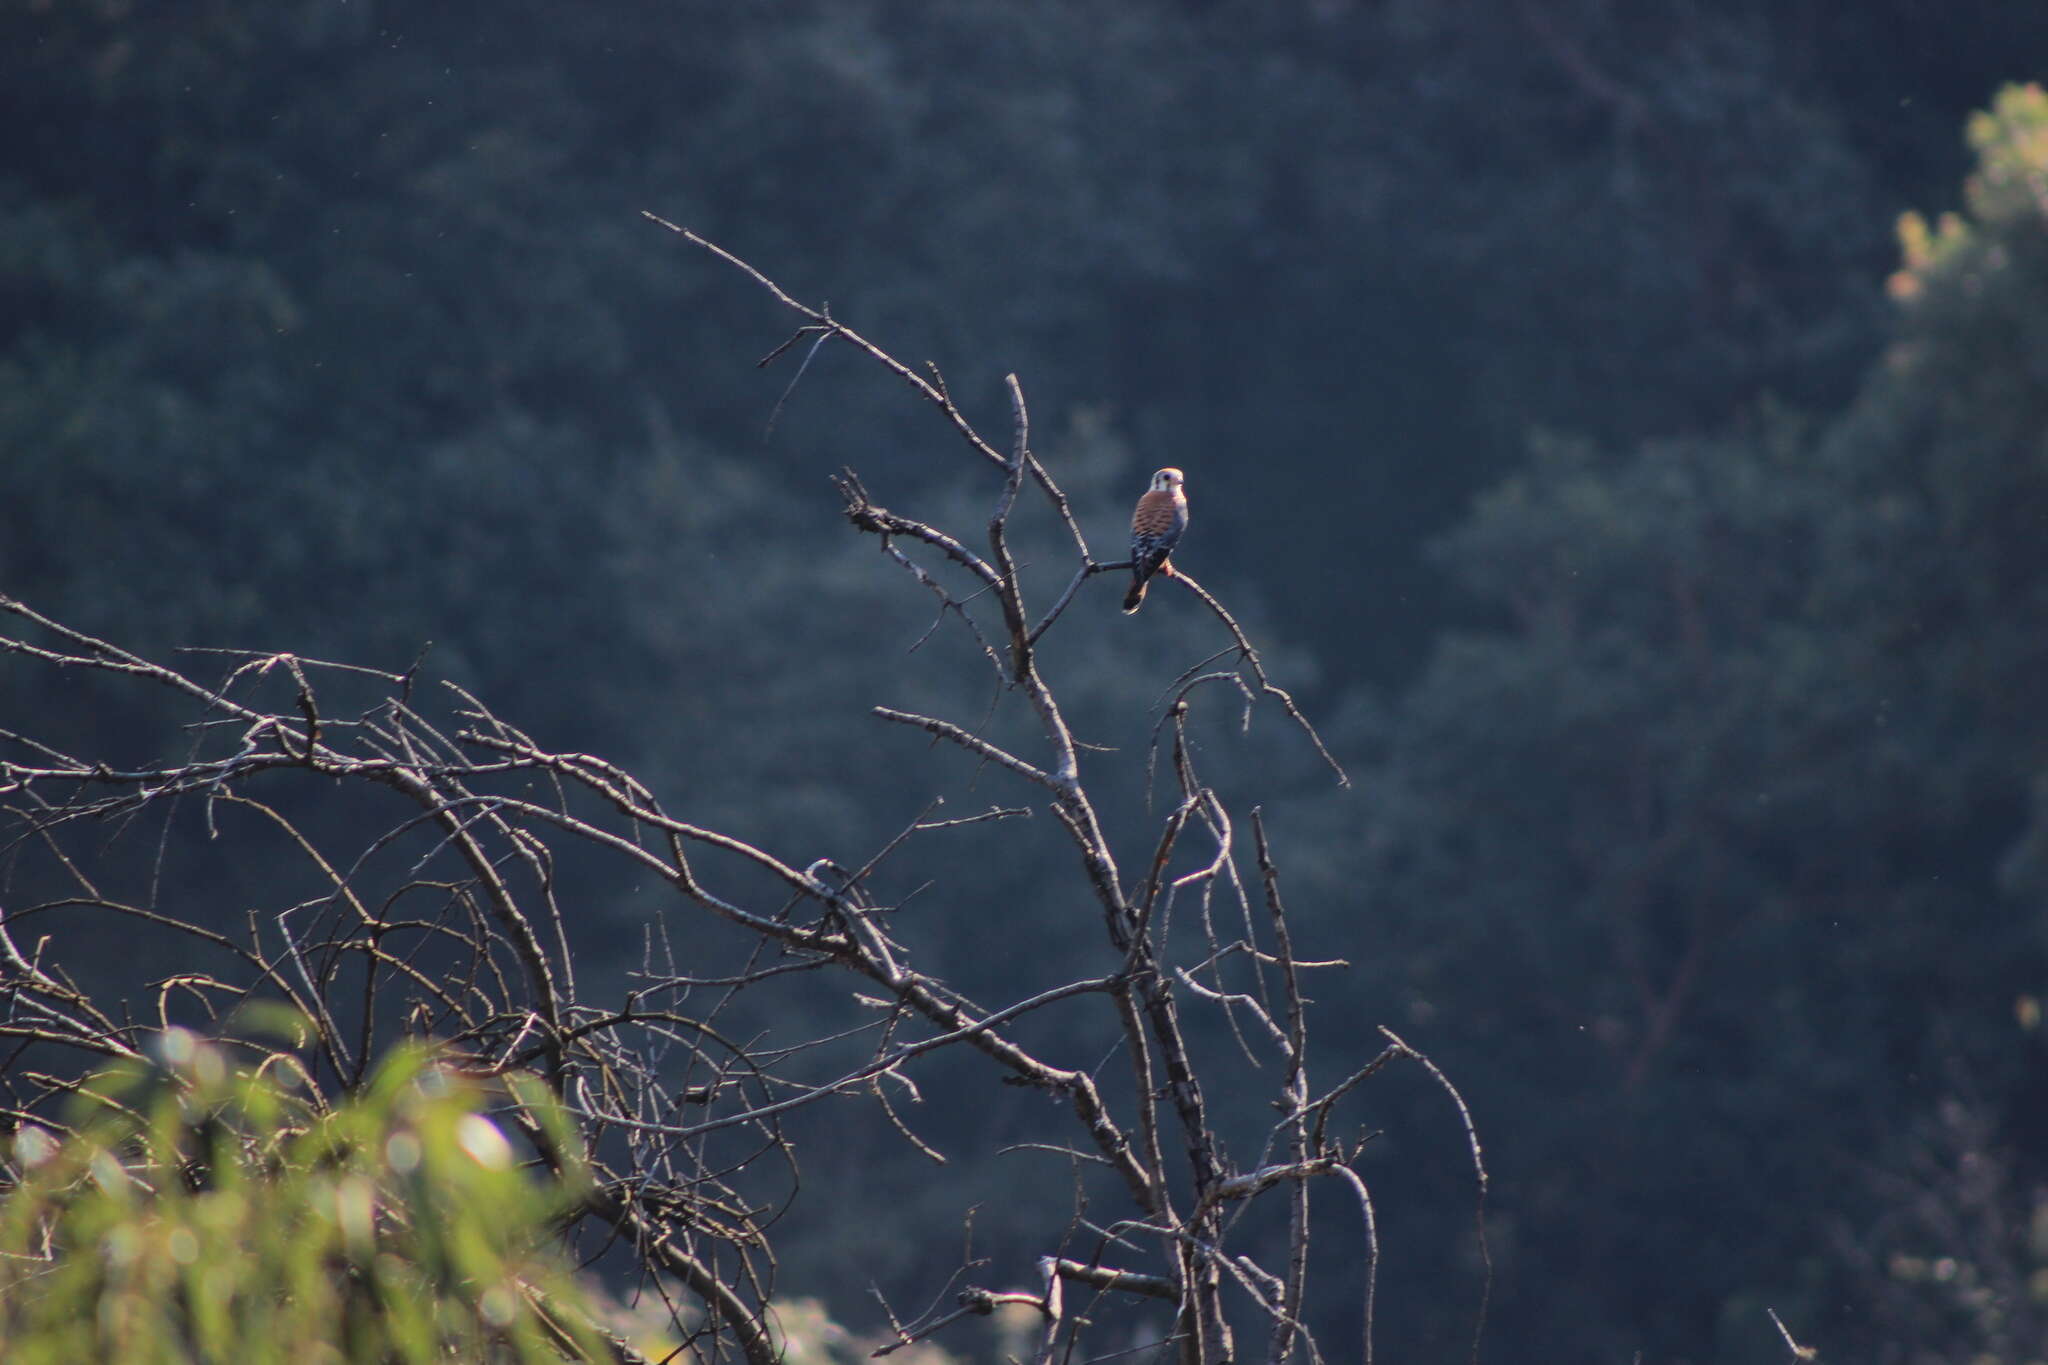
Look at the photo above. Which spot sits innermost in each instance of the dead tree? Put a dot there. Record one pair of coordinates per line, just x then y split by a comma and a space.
451, 923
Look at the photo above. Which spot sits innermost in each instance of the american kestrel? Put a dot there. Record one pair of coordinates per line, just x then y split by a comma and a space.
1161, 515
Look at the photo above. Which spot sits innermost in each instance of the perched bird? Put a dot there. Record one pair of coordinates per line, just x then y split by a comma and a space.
1161, 515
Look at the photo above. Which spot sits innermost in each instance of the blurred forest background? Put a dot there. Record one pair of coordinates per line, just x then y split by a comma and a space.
1652, 505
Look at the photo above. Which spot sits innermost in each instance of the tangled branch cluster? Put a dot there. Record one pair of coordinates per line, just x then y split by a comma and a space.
450, 923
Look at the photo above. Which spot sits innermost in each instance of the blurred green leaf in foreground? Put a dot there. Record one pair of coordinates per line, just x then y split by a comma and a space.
207, 1204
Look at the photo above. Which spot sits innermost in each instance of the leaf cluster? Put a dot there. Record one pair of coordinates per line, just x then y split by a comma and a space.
205, 1203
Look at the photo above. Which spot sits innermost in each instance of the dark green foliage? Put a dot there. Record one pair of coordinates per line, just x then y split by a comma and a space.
293, 250
1717, 863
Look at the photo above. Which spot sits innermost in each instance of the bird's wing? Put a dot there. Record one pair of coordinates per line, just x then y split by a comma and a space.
1158, 515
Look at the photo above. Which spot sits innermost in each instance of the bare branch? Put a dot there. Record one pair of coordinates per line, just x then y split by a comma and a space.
451, 912
1258, 668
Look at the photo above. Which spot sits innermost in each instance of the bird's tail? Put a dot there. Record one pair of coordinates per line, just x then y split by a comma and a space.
1135, 596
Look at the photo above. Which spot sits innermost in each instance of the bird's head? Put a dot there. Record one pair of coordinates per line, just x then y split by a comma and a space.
1166, 480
